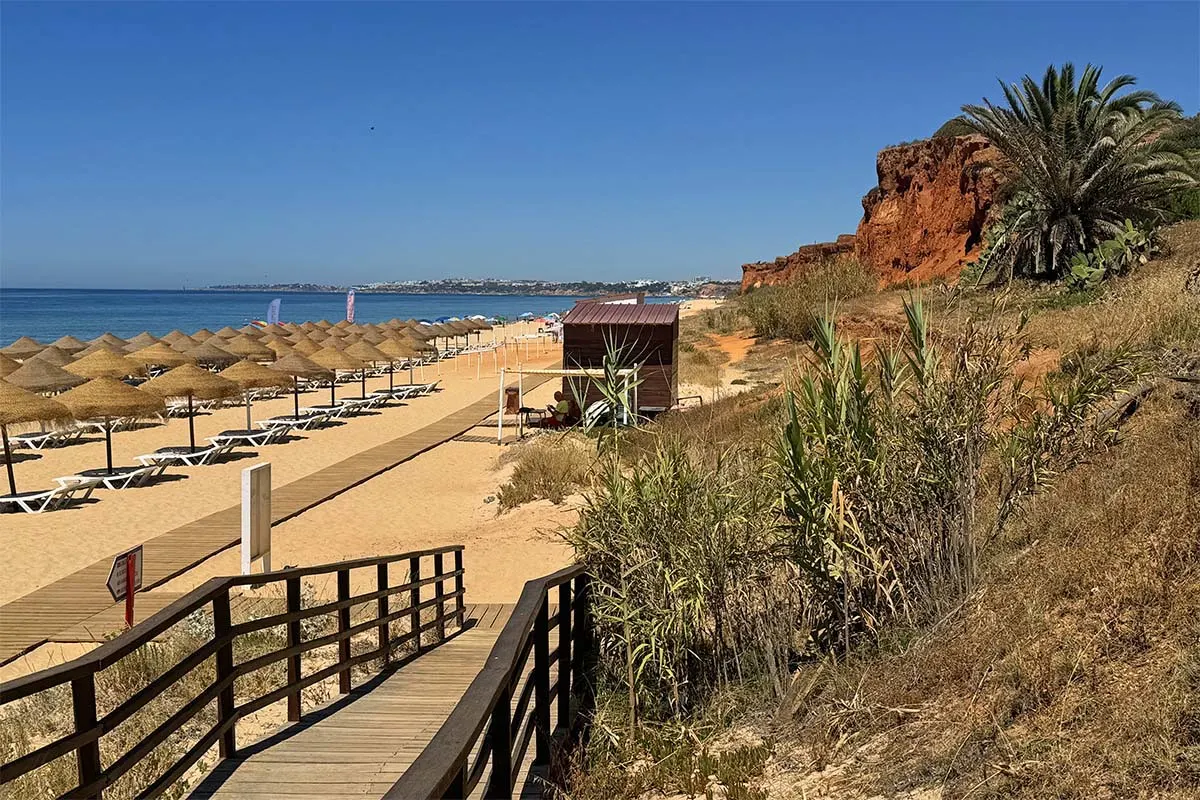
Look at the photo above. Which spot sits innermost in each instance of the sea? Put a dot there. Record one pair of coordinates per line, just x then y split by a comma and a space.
47, 314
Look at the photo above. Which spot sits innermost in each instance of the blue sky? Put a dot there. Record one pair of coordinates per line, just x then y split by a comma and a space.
169, 144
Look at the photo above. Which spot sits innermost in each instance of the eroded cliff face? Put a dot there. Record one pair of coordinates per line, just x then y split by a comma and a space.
784, 268
925, 219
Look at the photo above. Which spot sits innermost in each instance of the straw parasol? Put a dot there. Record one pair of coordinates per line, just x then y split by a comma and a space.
202, 335
193, 383
397, 350
182, 343
306, 347
143, 339
23, 348
323, 324
105, 363
249, 347
108, 398
368, 352
110, 339
252, 375
7, 365
69, 344
252, 330
298, 367
228, 332
209, 353
333, 359
53, 356
281, 347
17, 406
36, 375
172, 336
160, 354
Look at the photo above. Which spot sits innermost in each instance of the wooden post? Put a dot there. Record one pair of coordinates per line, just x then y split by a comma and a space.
343, 618
293, 639
414, 600
439, 591
225, 699
565, 672
83, 702
460, 601
541, 683
381, 583
500, 734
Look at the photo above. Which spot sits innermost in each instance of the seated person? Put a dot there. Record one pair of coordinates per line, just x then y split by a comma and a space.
560, 409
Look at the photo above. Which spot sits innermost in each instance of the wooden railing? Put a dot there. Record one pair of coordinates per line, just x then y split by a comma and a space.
488, 733
80, 674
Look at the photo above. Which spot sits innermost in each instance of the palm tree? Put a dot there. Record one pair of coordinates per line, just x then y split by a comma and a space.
1077, 161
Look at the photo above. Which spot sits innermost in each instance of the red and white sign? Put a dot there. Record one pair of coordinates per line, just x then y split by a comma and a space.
125, 578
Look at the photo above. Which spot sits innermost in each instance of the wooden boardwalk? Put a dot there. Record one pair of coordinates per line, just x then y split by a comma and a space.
360, 744
70, 602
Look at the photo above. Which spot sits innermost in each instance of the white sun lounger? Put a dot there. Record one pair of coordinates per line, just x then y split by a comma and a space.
399, 393
38, 440
185, 455
252, 438
50, 499
119, 478
303, 422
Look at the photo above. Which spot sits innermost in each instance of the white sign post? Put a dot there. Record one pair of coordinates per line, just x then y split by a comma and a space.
256, 516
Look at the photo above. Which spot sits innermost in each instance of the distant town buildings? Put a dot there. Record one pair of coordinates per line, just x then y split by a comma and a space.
692, 287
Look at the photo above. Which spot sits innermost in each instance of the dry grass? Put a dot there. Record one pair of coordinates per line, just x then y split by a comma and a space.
549, 467
1073, 672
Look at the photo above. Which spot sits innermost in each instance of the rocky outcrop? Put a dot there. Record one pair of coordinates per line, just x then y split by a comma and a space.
925, 219
766, 273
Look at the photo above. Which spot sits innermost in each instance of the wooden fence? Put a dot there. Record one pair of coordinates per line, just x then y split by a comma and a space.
80, 674
489, 732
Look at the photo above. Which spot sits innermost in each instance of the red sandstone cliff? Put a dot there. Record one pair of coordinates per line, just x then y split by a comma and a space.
766, 273
925, 219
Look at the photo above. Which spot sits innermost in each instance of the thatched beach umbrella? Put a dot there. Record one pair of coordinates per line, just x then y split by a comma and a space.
251, 330
52, 355
193, 383
298, 367
248, 347
23, 348
99, 347
366, 351
252, 375
108, 399
110, 339
18, 406
7, 365
209, 353
397, 350
36, 375
323, 324
202, 335
160, 354
105, 363
228, 332
306, 347
69, 343
182, 343
280, 347
143, 339
333, 359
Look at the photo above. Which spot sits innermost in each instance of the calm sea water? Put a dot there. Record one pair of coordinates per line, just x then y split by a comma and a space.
46, 314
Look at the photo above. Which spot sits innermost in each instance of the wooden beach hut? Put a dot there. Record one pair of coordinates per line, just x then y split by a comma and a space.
645, 334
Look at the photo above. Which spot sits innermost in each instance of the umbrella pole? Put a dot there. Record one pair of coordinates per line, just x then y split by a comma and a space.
191, 424
246, 394
296, 389
333, 390
12, 482
363, 373
391, 376
108, 442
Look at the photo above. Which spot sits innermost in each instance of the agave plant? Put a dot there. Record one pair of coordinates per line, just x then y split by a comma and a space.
1078, 160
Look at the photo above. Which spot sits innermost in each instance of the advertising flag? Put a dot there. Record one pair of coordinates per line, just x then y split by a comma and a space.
350, 306
273, 311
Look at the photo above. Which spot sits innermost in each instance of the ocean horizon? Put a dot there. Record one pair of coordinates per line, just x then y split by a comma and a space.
47, 314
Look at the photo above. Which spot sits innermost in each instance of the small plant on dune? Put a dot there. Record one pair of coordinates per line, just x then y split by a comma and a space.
547, 468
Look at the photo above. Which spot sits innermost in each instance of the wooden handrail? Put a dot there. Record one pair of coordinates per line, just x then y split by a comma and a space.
80, 673
443, 769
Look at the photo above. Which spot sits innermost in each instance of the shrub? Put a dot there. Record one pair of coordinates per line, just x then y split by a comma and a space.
690, 588
1116, 256
547, 468
790, 310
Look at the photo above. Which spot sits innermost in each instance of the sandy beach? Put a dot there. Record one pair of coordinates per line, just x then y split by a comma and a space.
46, 547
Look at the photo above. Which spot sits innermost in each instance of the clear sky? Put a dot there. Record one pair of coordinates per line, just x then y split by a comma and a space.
186, 143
